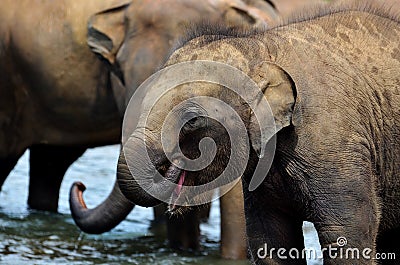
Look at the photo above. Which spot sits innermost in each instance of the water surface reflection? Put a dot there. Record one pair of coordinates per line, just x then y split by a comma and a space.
30, 237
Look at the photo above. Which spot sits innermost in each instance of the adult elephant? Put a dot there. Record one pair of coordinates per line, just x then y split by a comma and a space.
58, 98
333, 87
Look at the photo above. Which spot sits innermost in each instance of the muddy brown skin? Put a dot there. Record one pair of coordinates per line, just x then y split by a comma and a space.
288, 8
55, 100
58, 99
333, 83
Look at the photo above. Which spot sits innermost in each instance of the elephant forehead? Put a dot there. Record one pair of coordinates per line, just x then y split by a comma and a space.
154, 12
188, 92
217, 51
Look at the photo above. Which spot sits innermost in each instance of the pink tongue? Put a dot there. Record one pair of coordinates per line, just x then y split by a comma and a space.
180, 183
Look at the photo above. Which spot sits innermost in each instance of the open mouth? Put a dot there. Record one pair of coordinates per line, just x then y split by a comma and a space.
176, 194
177, 175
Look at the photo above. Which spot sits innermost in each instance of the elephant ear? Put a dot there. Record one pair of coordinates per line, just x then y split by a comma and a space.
253, 13
106, 33
279, 90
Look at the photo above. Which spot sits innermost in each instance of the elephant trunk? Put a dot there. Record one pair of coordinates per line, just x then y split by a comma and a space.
146, 180
104, 217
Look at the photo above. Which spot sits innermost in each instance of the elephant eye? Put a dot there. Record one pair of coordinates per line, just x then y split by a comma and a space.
193, 121
193, 118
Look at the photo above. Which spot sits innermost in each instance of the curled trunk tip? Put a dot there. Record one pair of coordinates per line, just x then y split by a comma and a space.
76, 191
79, 185
102, 218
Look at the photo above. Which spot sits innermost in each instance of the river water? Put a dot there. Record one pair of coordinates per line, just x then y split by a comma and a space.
30, 237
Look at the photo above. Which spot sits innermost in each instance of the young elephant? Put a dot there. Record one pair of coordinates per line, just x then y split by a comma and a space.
58, 99
332, 82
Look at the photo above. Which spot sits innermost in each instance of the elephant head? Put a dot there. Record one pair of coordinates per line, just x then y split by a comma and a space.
221, 97
134, 39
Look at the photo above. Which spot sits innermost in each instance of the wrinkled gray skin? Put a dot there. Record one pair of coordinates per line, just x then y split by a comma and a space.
333, 84
58, 99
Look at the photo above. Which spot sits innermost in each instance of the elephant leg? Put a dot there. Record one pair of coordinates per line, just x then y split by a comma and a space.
388, 247
233, 234
346, 246
6, 165
349, 227
48, 165
183, 231
204, 212
158, 225
274, 237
